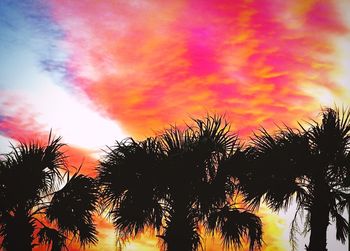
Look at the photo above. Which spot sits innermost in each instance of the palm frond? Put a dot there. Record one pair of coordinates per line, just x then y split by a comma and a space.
339, 200
52, 237
275, 168
294, 228
129, 165
130, 187
72, 208
342, 227
235, 225
175, 140
42, 163
135, 212
331, 138
215, 134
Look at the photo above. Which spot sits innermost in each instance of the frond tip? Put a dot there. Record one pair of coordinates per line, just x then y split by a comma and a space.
235, 225
53, 238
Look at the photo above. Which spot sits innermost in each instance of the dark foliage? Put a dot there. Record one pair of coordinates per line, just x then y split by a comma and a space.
174, 183
310, 165
31, 201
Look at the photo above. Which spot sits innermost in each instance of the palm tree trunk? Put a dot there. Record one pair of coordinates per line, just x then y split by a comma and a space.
178, 236
181, 229
319, 225
19, 232
319, 219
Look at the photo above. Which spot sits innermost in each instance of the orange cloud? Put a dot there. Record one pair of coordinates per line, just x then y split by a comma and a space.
148, 63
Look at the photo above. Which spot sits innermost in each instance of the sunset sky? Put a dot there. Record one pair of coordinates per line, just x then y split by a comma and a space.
99, 71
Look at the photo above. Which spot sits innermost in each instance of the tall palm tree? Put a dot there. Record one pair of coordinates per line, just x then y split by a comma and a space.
310, 165
175, 184
40, 202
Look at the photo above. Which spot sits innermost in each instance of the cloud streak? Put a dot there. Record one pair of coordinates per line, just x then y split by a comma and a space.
148, 63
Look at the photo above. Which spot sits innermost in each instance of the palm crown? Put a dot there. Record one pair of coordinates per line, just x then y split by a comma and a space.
175, 183
310, 165
40, 202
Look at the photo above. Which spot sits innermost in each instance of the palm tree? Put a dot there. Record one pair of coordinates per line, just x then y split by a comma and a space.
310, 165
40, 203
175, 184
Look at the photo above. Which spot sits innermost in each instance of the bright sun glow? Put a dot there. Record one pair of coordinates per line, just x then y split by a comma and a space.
71, 117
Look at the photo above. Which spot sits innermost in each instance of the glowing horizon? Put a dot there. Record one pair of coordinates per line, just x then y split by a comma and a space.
99, 71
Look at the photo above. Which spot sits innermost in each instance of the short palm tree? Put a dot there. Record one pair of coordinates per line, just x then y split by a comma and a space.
40, 203
175, 184
310, 165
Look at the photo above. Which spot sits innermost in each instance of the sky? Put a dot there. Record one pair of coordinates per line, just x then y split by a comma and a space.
99, 71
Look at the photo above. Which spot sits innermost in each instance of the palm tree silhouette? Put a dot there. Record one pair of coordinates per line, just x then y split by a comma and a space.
40, 203
310, 165
175, 184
